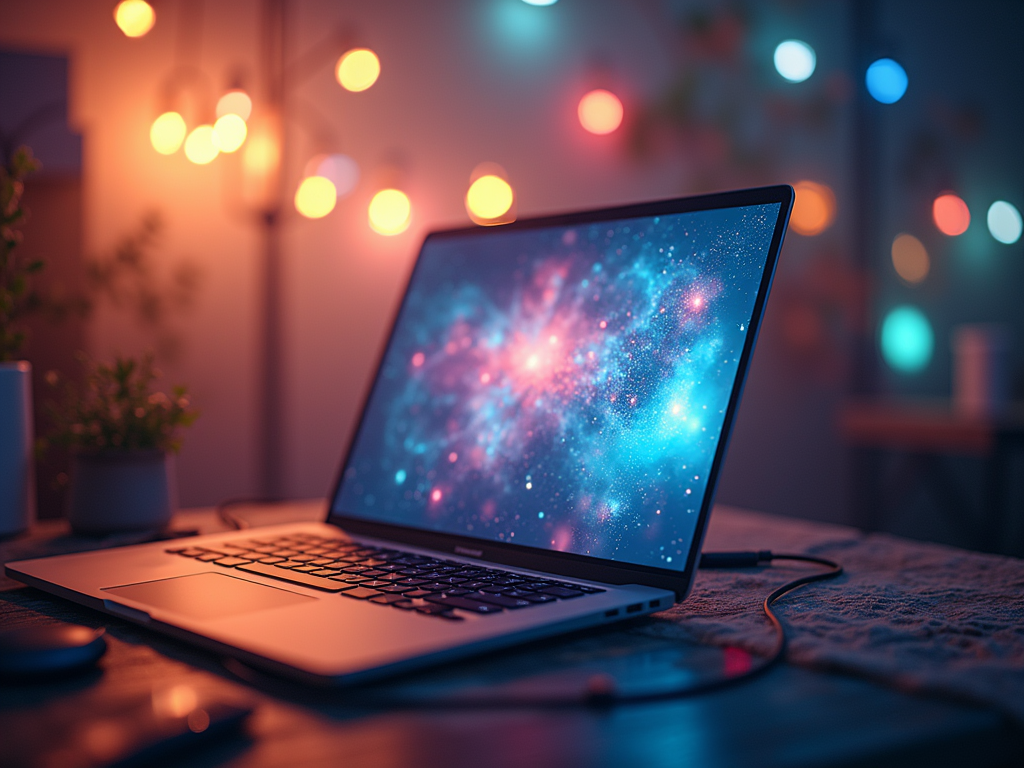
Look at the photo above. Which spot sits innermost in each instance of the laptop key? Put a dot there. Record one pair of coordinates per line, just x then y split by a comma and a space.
231, 562
187, 551
388, 599
562, 592
362, 593
464, 603
502, 600
326, 572
304, 579
208, 557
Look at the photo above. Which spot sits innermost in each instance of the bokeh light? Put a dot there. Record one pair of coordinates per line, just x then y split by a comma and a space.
907, 339
342, 170
315, 197
814, 209
951, 214
795, 60
600, 111
229, 132
910, 258
389, 212
489, 197
357, 69
540, 2
167, 133
236, 102
1004, 222
886, 81
134, 17
200, 146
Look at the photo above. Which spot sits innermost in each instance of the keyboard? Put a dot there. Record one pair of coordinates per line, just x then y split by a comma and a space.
385, 576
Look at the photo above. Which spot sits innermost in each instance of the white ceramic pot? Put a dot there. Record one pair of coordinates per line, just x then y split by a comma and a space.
116, 491
17, 469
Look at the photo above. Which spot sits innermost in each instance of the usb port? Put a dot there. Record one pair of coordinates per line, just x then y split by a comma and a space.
654, 603
635, 608
612, 612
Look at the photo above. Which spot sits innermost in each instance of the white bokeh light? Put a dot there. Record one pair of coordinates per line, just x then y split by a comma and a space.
795, 60
1004, 222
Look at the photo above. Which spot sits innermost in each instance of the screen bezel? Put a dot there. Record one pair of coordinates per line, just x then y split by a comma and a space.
569, 563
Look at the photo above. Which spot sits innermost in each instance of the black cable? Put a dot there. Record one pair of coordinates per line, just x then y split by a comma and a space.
600, 691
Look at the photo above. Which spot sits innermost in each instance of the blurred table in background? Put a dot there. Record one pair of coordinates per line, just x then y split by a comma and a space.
924, 434
790, 716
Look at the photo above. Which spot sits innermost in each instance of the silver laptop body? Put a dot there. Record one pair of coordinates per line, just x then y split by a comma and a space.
537, 454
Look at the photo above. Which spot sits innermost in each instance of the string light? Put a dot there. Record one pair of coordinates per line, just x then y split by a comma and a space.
200, 147
167, 133
886, 81
814, 209
795, 60
390, 212
236, 102
910, 258
907, 339
229, 132
951, 214
357, 69
489, 198
134, 17
600, 111
315, 197
1004, 222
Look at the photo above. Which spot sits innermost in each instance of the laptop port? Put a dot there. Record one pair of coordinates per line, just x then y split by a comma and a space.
612, 612
635, 608
654, 603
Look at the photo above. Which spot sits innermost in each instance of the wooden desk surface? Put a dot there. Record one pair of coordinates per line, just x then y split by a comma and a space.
788, 717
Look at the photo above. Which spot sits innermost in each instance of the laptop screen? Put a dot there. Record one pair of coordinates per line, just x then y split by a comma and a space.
562, 387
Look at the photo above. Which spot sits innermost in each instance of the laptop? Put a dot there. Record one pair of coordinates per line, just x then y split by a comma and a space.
537, 454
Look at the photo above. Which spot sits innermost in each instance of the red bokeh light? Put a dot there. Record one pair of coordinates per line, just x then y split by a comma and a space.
951, 214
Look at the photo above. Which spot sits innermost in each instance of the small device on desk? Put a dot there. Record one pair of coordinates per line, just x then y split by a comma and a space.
39, 653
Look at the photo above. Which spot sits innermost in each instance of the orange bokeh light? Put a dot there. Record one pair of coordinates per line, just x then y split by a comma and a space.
600, 111
951, 214
814, 209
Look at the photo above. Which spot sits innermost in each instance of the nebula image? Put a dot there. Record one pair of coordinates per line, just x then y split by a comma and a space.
563, 388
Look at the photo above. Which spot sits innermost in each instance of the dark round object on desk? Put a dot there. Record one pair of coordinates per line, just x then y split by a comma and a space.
38, 652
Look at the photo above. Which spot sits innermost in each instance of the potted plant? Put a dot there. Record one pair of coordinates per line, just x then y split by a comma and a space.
17, 480
122, 434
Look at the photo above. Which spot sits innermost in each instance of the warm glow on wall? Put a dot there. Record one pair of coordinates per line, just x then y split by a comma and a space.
236, 102
814, 209
951, 214
315, 197
357, 69
600, 111
200, 147
167, 133
134, 17
910, 258
229, 132
489, 198
389, 212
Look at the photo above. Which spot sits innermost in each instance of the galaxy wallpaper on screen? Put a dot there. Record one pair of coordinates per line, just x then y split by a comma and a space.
563, 388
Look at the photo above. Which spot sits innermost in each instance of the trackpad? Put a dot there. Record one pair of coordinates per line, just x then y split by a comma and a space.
208, 595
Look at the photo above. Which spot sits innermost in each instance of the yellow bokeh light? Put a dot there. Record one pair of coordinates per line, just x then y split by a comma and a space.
488, 198
600, 111
357, 69
134, 17
236, 102
315, 197
814, 209
229, 132
167, 133
389, 212
910, 258
200, 146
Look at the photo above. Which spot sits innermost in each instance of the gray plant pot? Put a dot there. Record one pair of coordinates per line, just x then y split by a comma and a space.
17, 472
116, 491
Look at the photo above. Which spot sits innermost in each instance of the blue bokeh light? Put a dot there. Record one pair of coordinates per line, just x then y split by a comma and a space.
907, 339
540, 2
886, 81
795, 60
1004, 222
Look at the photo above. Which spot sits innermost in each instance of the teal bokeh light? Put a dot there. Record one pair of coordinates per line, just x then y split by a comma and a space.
794, 60
907, 339
886, 81
1004, 222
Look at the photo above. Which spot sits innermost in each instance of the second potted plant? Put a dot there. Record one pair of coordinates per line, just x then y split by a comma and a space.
123, 435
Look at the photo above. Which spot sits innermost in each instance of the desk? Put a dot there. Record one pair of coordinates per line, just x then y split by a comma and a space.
792, 716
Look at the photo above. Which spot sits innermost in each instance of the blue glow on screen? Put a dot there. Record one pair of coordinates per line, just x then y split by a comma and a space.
564, 387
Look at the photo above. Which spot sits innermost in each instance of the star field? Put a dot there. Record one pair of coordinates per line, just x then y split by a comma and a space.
563, 388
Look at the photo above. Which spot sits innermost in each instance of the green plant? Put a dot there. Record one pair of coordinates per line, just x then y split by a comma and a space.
15, 273
118, 410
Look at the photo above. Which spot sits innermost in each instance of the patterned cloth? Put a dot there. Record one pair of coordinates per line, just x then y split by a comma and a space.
920, 617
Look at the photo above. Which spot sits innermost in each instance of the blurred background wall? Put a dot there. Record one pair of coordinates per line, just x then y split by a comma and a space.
465, 82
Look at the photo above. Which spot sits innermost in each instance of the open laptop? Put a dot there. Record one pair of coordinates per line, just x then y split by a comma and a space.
537, 453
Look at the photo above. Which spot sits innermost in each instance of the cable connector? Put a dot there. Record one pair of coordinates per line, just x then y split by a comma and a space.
735, 559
